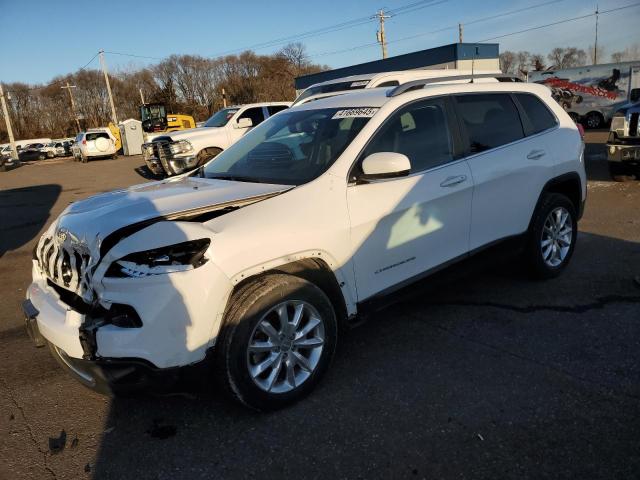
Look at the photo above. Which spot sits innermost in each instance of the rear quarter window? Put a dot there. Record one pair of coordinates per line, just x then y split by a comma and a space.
537, 112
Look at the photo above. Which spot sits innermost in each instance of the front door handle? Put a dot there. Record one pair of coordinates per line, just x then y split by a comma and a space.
452, 181
536, 154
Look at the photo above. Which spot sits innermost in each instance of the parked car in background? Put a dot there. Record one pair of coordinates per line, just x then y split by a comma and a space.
593, 93
28, 154
60, 150
48, 149
254, 260
623, 145
6, 160
181, 151
94, 143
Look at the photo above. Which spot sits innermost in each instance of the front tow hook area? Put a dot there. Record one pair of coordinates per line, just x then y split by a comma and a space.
87, 333
30, 314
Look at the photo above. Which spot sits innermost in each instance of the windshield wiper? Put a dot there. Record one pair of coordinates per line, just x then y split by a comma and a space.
234, 178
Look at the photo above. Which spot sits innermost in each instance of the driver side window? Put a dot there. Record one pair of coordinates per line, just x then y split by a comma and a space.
255, 114
420, 131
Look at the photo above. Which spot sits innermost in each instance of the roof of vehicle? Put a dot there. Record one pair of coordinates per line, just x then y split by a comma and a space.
260, 104
403, 75
377, 97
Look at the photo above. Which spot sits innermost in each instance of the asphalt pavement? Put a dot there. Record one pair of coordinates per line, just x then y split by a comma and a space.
478, 373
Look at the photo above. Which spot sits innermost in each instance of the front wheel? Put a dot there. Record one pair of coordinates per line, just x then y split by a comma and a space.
50, 155
594, 120
277, 341
552, 236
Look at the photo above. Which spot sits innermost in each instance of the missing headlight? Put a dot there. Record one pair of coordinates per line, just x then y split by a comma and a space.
172, 258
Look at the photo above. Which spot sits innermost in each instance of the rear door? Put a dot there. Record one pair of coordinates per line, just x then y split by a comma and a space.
402, 227
508, 168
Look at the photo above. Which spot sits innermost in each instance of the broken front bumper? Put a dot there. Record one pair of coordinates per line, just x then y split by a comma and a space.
178, 318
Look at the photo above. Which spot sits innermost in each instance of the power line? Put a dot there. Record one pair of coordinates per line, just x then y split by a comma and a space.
57, 82
581, 17
333, 28
132, 55
439, 30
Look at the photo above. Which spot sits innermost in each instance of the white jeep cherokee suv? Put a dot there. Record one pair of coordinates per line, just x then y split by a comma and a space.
255, 259
178, 152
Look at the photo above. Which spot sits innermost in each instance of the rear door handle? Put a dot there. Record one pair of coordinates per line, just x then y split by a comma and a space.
536, 154
452, 181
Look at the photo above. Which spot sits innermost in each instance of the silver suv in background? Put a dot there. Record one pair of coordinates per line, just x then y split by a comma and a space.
94, 143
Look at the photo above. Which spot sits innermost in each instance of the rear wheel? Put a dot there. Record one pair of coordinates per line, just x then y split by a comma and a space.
278, 339
594, 120
552, 236
50, 155
41, 156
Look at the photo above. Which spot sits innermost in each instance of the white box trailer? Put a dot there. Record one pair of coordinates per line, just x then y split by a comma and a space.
593, 93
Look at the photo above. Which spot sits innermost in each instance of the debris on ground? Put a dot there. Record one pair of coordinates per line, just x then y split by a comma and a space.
161, 430
480, 437
87, 468
57, 444
74, 442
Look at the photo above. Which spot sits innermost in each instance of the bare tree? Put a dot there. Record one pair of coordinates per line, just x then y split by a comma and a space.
631, 53
507, 61
537, 62
567, 57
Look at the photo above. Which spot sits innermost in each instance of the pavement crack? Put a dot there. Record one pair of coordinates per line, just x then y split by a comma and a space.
32, 436
600, 302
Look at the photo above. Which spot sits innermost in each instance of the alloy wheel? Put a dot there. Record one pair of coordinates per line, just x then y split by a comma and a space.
285, 346
557, 234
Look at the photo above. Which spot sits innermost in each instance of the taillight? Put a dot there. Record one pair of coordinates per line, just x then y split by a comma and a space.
581, 130
84, 142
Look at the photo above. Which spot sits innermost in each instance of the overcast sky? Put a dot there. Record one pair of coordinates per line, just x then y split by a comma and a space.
42, 39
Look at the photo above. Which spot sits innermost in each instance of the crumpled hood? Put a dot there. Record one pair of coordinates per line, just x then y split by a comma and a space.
92, 219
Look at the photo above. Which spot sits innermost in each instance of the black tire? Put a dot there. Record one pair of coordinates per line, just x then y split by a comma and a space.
84, 159
41, 156
50, 155
620, 172
114, 156
533, 253
594, 120
246, 309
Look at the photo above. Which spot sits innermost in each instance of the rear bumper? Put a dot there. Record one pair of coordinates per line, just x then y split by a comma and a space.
623, 153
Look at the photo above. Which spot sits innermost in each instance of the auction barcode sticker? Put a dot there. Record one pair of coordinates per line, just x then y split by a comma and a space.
366, 112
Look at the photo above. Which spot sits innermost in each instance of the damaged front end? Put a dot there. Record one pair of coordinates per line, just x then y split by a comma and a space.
120, 309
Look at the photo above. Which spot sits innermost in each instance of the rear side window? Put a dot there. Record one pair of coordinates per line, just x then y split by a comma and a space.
255, 114
390, 83
537, 112
96, 135
273, 109
491, 120
420, 131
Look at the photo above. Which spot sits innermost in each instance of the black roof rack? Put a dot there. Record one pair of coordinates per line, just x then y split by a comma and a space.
416, 84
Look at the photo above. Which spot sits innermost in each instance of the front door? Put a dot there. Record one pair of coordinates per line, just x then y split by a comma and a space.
402, 227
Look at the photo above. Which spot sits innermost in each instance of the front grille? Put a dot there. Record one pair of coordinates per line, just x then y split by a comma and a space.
164, 154
63, 265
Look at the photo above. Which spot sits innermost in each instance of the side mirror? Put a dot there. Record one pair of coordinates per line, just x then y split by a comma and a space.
385, 165
244, 123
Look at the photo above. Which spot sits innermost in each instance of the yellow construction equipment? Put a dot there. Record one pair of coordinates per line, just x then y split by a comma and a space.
156, 120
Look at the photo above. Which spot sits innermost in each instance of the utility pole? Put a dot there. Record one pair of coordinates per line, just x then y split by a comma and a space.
141, 96
595, 45
73, 105
380, 35
224, 98
459, 33
5, 112
114, 117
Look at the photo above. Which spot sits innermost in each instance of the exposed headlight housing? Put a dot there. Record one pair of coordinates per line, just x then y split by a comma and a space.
181, 146
180, 257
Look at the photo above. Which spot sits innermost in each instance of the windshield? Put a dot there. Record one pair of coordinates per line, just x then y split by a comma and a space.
221, 118
152, 112
330, 88
290, 148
